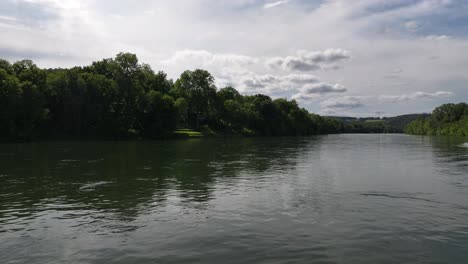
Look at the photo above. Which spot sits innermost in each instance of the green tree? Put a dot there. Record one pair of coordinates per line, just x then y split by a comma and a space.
10, 103
121, 98
198, 88
447, 119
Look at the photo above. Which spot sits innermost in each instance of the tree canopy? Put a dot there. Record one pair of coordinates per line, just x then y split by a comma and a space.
447, 120
123, 98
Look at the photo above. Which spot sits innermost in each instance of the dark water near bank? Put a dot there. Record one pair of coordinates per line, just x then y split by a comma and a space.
329, 199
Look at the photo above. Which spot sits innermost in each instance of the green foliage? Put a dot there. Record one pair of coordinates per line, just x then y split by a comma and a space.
187, 133
22, 106
198, 89
446, 120
400, 122
122, 98
394, 124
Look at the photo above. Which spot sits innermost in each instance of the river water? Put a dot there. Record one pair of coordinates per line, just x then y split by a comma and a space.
324, 199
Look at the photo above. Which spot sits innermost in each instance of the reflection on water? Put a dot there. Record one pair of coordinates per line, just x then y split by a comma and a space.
329, 199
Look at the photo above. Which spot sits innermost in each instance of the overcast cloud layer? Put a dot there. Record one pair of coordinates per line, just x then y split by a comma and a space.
336, 57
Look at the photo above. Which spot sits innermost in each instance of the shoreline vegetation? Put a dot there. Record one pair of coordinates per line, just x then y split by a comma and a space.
445, 120
120, 98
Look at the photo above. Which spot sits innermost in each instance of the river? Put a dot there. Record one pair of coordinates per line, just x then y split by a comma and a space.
324, 199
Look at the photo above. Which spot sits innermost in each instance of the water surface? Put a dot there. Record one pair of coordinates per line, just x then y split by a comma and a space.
327, 199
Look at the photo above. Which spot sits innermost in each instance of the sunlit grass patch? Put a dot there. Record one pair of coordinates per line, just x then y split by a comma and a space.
187, 133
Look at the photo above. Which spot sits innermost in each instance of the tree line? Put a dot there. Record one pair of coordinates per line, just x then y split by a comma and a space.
121, 98
445, 120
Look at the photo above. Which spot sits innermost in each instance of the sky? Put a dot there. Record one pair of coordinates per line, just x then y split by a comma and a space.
335, 57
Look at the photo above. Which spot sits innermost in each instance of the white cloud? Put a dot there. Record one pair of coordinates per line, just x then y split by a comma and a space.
241, 72
336, 104
235, 40
310, 60
314, 91
203, 58
437, 37
414, 96
344, 102
275, 4
300, 78
412, 26
275, 84
8, 19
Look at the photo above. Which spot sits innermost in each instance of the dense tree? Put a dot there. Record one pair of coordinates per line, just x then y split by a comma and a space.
10, 103
448, 119
122, 98
22, 99
198, 89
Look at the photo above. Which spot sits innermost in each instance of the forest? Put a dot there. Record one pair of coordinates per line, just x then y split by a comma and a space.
120, 98
395, 124
445, 120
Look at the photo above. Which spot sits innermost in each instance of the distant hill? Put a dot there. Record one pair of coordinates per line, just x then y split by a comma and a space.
394, 124
400, 122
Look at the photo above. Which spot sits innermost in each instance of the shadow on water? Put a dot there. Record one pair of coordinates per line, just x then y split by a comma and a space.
451, 156
126, 177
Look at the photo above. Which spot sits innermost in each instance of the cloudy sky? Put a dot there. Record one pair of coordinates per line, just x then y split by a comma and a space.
335, 57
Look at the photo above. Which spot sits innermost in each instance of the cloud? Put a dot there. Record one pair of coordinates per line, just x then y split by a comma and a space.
310, 60
300, 78
241, 72
18, 54
386, 10
412, 26
298, 64
272, 84
8, 19
237, 40
341, 103
326, 56
205, 58
260, 81
413, 96
275, 4
302, 87
314, 91
30, 13
344, 102
437, 37
322, 88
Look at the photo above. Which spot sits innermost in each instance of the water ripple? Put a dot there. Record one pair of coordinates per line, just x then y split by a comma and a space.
334, 199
